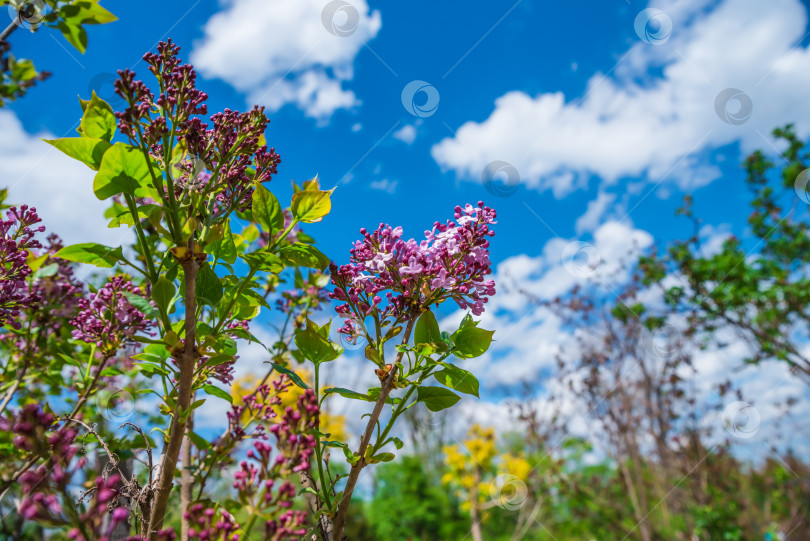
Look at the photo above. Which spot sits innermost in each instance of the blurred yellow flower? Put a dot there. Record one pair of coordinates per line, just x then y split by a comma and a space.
516, 465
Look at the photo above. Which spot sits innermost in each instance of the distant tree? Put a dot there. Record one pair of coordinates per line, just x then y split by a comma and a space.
760, 287
408, 505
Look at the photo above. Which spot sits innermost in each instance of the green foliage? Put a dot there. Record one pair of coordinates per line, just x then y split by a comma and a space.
760, 290
93, 254
405, 485
68, 16
314, 344
457, 378
470, 341
436, 398
267, 210
311, 205
87, 150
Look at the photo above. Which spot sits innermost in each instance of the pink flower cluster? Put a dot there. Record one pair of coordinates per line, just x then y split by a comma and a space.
261, 481
259, 404
40, 487
452, 262
59, 289
45, 490
108, 319
94, 526
208, 524
289, 525
16, 240
294, 442
231, 148
180, 98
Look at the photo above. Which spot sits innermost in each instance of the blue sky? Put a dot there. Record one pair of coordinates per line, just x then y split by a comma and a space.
537, 48
607, 127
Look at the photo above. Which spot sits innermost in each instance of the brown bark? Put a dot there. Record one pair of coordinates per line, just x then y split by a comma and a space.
171, 450
385, 389
186, 477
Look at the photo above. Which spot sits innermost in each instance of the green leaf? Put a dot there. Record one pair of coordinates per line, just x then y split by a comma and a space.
267, 210
373, 355
46, 271
123, 170
290, 374
141, 304
382, 457
351, 458
87, 12
315, 347
219, 393
225, 248
304, 255
457, 378
397, 442
163, 292
98, 120
311, 206
87, 150
208, 289
427, 330
74, 33
347, 393
198, 441
264, 261
436, 398
470, 341
92, 253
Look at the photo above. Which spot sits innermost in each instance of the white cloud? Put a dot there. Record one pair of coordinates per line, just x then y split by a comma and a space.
281, 52
593, 215
631, 123
406, 134
60, 187
384, 185
528, 337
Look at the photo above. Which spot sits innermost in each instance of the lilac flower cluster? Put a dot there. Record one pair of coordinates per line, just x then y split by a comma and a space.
452, 262
259, 405
166, 534
232, 148
209, 524
59, 290
295, 442
256, 480
33, 433
108, 319
55, 287
179, 99
94, 527
289, 525
16, 240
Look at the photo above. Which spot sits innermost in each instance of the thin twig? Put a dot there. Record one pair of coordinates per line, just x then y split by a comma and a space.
357, 467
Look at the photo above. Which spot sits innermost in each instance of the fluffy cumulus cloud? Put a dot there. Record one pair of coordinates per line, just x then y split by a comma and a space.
594, 213
281, 52
729, 71
530, 338
60, 187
